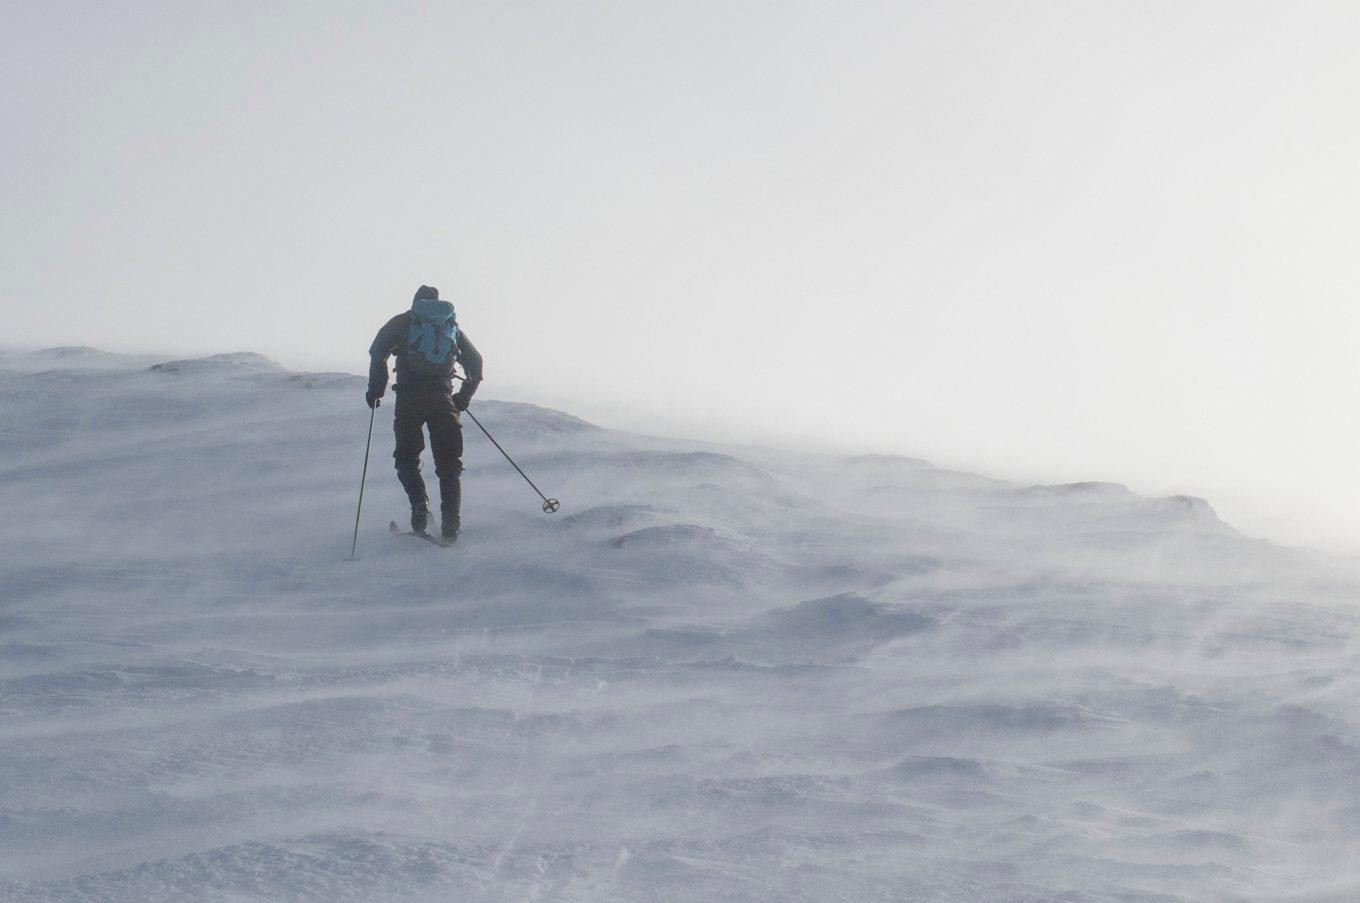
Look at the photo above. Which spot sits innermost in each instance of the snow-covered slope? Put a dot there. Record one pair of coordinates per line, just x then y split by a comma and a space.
72, 357
717, 674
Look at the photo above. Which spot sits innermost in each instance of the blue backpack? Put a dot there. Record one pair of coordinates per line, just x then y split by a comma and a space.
432, 341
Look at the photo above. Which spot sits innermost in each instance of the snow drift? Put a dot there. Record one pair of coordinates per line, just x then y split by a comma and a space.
718, 674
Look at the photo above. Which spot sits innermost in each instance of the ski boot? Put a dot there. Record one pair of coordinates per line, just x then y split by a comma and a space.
420, 518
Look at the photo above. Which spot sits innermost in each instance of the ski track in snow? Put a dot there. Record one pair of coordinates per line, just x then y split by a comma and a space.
717, 674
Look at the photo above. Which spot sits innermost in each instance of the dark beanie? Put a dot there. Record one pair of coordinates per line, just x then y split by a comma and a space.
426, 293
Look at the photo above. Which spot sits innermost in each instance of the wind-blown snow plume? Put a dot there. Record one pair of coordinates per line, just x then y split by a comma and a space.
718, 674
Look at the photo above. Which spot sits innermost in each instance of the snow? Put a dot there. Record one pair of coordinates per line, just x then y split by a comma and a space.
718, 674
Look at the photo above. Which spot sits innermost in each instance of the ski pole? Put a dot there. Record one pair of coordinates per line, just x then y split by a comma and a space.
367, 446
550, 506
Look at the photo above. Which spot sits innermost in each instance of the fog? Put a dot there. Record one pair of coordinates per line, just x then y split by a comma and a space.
1067, 241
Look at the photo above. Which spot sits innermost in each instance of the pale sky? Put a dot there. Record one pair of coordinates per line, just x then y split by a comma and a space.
1048, 241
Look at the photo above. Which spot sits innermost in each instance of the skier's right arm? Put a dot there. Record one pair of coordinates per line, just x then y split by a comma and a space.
385, 344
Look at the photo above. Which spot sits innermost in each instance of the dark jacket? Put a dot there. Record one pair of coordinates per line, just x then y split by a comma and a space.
391, 339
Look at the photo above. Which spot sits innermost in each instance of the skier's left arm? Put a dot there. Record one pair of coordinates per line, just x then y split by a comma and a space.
471, 360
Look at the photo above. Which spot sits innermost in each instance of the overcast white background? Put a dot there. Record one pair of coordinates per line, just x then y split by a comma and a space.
1054, 241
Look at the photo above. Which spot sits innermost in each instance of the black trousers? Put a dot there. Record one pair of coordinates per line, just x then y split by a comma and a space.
418, 409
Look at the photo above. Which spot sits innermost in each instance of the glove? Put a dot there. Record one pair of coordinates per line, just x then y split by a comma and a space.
373, 400
461, 402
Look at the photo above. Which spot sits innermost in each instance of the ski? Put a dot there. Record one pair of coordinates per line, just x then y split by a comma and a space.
429, 537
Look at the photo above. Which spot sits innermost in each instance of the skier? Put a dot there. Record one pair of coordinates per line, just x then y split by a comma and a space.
427, 342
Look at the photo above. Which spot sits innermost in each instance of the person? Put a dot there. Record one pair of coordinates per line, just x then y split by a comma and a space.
427, 343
